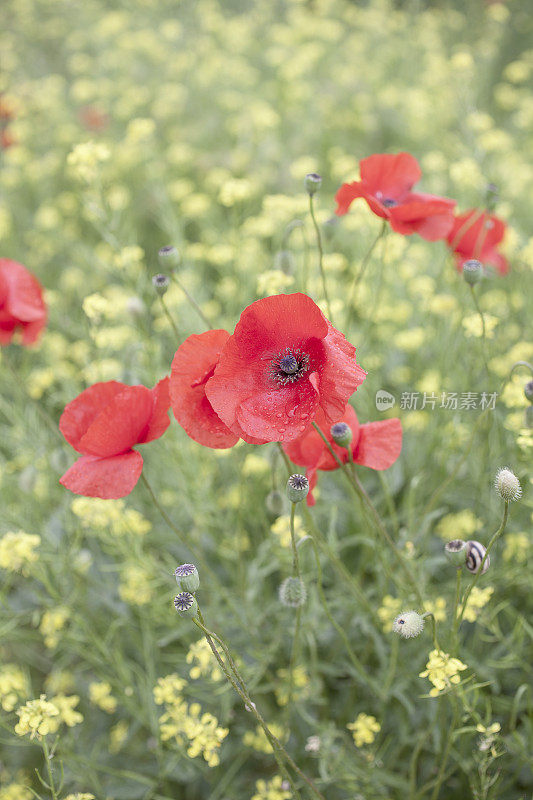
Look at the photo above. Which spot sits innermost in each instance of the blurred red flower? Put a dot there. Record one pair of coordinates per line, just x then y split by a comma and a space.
104, 423
476, 234
375, 444
284, 363
92, 118
386, 183
194, 363
22, 307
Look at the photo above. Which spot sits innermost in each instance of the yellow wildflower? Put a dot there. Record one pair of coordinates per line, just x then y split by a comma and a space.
205, 666
273, 281
135, 586
516, 547
80, 796
281, 528
168, 689
117, 736
52, 622
271, 790
85, 159
17, 550
300, 684
436, 607
65, 706
388, 611
15, 791
442, 670
258, 739
459, 525
100, 695
364, 729
477, 599
38, 718
14, 686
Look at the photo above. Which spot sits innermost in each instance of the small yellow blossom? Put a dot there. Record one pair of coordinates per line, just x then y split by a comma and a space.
38, 718
15, 791
100, 695
168, 689
14, 686
474, 328
110, 515
117, 736
52, 622
80, 796
442, 670
17, 550
273, 281
65, 705
282, 529
459, 525
436, 607
477, 599
388, 611
491, 730
516, 547
300, 684
86, 158
271, 790
135, 586
258, 739
206, 665
364, 729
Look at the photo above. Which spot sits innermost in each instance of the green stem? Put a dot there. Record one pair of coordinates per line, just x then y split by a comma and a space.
445, 752
192, 301
295, 559
483, 330
477, 575
45, 416
51, 784
170, 318
361, 271
320, 256
455, 627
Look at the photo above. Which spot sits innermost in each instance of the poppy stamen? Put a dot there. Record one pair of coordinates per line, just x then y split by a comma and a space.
289, 366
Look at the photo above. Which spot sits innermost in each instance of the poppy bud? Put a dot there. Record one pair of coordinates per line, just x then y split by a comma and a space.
507, 485
408, 624
297, 488
312, 183
284, 260
475, 553
341, 434
528, 391
185, 604
292, 592
455, 552
472, 271
160, 283
187, 577
169, 257
274, 503
491, 196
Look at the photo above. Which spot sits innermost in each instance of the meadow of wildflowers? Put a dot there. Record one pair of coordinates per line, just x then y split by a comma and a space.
266, 409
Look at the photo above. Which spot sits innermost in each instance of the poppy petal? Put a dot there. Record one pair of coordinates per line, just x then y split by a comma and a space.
340, 375
192, 366
391, 174
159, 420
279, 414
120, 424
379, 444
107, 478
83, 410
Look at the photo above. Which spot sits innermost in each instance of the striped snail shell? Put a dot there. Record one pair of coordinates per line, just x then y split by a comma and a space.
475, 553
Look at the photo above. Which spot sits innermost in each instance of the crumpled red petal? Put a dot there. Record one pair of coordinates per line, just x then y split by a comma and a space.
159, 419
107, 478
83, 410
120, 424
379, 444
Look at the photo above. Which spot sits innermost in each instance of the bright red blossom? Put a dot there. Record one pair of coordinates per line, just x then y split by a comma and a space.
386, 183
476, 234
375, 444
22, 307
194, 363
104, 423
284, 363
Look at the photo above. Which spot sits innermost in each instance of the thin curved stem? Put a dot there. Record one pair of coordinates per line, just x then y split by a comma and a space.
361, 271
320, 256
170, 318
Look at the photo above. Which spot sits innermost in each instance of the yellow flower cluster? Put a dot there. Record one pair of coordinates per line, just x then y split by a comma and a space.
300, 684
117, 736
15, 791
187, 723
17, 551
41, 717
110, 515
273, 281
205, 665
477, 599
80, 796
258, 739
516, 547
281, 528
443, 671
85, 159
460, 525
14, 686
364, 729
274, 789
135, 587
392, 606
52, 622
100, 695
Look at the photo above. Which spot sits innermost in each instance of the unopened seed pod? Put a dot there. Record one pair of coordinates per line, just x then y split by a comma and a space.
297, 488
475, 553
292, 592
456, 552
187, 577
185, 604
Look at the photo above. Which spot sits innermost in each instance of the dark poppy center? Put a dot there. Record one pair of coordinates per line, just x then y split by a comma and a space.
388, 202
289, 366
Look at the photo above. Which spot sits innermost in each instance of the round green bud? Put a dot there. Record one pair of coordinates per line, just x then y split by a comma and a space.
292, 592
161, 283
507, 485
312, 183
185, 604
169, 257
341, 434
297, 488
187, 577
472, 271
455, 552
275, 503
408, 624
528, 391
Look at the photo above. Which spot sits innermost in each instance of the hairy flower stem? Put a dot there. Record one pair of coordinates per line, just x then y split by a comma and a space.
192, 301
425, 615
170, 318
51, 783
360, 491
446, 750
477, 575
295, 559
320, 256
296, 574
361, 271
239, 686
358, 666
455, 624
483, 330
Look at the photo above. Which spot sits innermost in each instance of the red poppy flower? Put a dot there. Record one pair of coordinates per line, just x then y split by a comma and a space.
92, 118
386, 183
375, 444
104, 423
284, 363
21, 303
476, 234
193, 365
